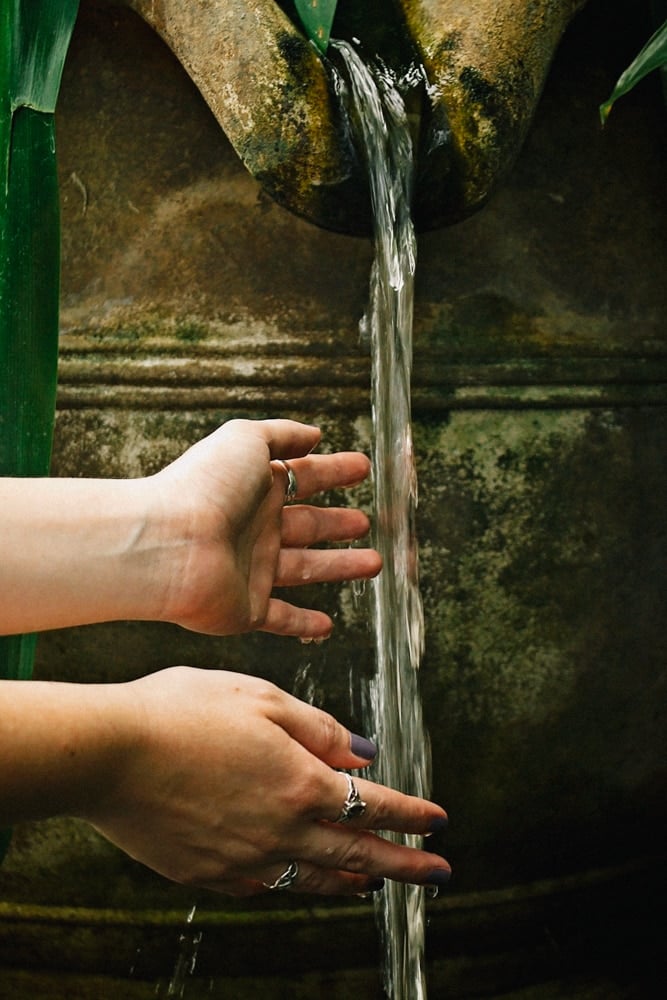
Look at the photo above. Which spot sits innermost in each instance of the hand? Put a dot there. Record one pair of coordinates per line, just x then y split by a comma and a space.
228, 779
234, 540
202, 543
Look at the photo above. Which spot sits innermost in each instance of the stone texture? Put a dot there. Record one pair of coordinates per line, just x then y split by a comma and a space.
484, 67
539, 394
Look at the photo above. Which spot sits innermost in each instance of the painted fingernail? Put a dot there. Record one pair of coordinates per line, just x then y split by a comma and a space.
438, 877
438, 824
361, 747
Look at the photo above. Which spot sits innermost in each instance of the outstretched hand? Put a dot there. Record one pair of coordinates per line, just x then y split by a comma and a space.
228, 779
237, 540
202, 543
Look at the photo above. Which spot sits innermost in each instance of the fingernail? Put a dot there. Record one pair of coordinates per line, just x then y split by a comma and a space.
438, 824
438, 877
361, 747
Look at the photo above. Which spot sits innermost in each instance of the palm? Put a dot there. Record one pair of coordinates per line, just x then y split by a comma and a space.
245, 542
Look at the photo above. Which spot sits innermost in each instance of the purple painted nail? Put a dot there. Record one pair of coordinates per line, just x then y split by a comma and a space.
438, 877
361, 747
438, 824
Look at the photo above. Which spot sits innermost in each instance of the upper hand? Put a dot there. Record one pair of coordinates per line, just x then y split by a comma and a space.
235, 540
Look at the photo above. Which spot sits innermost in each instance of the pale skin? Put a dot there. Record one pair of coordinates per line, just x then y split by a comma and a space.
211, 778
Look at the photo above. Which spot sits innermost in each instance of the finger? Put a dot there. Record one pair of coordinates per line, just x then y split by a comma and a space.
287, 438
317, 473
384, 808
300, 566
388, 809
283, 618
324, 737
363, 852
304, 525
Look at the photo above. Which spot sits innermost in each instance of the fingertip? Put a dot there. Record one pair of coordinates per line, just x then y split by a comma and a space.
362, 747
438, 877
376, 563
319, 632
439, 824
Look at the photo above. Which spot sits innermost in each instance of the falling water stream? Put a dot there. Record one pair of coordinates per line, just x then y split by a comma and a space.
394, 703
392, 700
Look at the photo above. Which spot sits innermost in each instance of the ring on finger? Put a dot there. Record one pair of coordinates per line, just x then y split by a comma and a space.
353, 806
286, 878
292, 488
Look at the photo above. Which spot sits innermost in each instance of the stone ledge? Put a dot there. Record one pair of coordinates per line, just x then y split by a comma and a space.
161, 372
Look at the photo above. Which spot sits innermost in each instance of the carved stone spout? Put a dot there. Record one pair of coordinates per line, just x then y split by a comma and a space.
271, 93
485, 63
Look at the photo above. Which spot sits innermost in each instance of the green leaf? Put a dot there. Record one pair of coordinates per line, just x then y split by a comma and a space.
317, 17
41, 33
652, 56
34, 36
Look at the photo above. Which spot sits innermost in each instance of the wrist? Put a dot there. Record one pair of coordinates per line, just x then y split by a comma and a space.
75, 552
64, 747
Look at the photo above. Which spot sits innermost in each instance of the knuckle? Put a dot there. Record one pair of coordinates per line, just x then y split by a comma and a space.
354, 855
304, 794
312, 517
309, 881
256, 619
329, 730
267, 693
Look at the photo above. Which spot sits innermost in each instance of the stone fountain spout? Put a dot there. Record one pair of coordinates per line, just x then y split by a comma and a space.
485, 64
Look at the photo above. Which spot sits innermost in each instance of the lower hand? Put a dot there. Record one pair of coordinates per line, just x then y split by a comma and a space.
228, 779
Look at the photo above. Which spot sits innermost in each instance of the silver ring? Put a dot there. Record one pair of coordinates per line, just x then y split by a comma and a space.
291, 488
353, 806
286, 879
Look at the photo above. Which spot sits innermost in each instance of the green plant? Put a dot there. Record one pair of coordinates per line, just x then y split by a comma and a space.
317, 17
652, 56
34, 36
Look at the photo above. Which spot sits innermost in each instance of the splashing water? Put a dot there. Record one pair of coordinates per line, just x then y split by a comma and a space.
393, 696
188, 947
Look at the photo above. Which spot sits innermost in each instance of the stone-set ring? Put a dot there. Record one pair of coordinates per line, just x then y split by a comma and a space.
286, 878
291, 488
353, 806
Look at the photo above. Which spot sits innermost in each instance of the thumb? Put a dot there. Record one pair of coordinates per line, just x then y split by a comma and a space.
323, 735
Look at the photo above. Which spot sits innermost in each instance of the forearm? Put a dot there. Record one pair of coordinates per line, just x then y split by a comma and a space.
61, 746
77, 551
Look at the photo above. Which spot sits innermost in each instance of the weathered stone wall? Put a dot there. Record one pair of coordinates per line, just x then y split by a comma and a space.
539, 399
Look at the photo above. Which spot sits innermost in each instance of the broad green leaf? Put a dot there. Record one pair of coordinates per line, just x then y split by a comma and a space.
34, 36
652, 56
40, 38
317, 17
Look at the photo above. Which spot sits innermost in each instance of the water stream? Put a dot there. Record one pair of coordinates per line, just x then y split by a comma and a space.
393, 699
